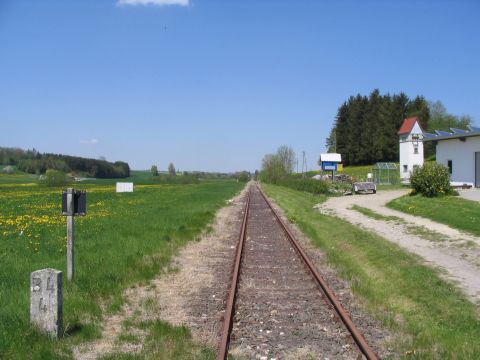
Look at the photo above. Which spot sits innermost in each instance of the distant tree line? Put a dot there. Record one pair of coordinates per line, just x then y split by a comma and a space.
11, 156
194, 176
212, 175
366, 127
31, 161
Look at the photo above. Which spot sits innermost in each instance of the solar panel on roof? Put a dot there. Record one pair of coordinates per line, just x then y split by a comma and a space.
473, 128
443, 133
458, 131
429, 135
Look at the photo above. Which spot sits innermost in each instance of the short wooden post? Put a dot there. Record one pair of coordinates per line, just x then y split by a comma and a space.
70, 235
46, 301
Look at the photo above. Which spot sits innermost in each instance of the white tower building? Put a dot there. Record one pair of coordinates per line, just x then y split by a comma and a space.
411, 147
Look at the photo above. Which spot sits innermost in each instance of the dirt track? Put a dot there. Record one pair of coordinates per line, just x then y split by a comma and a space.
455, 252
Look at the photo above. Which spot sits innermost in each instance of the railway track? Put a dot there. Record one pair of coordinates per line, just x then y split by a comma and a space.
278, 304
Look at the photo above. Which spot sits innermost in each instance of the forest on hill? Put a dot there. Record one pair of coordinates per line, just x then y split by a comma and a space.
33, 162
366, 127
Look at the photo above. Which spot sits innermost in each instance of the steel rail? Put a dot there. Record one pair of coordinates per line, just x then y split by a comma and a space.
228, 317
340, 310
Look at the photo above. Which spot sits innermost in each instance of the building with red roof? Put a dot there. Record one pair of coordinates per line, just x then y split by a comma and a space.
408, 125
411, 147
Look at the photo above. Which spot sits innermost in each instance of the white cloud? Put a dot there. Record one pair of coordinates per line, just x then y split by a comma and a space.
153, 2
89, 141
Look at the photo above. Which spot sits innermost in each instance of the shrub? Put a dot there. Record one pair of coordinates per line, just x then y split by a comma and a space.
55, 178
8, 169
243, 176
176, 180
430, 180
308, 185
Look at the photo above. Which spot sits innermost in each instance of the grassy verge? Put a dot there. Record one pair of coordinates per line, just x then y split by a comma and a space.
374, 215
421, 231
124, 239
431, 318
165, 342
462, 214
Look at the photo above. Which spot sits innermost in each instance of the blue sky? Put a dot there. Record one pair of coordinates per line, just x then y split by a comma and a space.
215, 85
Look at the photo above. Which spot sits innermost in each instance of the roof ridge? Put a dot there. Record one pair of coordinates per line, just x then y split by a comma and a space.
408, 125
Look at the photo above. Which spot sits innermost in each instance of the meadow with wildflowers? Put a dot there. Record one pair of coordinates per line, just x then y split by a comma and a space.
125, 238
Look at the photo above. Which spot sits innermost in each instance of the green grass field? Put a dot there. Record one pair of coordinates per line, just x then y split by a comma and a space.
359, 172
141, 177
18, 178
429, 317
461, 214
125, 239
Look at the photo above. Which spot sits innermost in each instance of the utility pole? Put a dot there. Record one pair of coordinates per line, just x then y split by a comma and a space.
335, 139
304, 164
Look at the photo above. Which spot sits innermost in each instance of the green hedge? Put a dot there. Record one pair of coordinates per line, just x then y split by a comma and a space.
308, 185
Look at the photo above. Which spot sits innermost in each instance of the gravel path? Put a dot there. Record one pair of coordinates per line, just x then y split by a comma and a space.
453, 251
470, 194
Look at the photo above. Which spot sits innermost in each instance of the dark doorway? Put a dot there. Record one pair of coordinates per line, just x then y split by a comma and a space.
477, 169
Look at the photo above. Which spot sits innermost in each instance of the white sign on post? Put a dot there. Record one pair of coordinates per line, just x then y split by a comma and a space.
124, 187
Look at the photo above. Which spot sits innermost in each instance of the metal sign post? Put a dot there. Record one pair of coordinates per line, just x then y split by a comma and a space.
330, 166
73, 204
70, 236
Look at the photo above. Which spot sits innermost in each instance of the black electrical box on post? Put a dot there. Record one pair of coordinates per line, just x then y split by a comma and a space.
79, 203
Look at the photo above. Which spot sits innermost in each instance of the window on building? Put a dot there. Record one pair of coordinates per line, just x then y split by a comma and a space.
415, 149
405, 168
450, 166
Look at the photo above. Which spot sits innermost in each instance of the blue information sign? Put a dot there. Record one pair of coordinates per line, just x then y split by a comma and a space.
327, 165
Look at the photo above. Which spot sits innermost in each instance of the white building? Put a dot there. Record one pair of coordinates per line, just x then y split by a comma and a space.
459, 150
411, 147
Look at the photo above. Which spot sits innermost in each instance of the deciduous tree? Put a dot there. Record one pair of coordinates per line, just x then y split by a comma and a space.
171, 169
